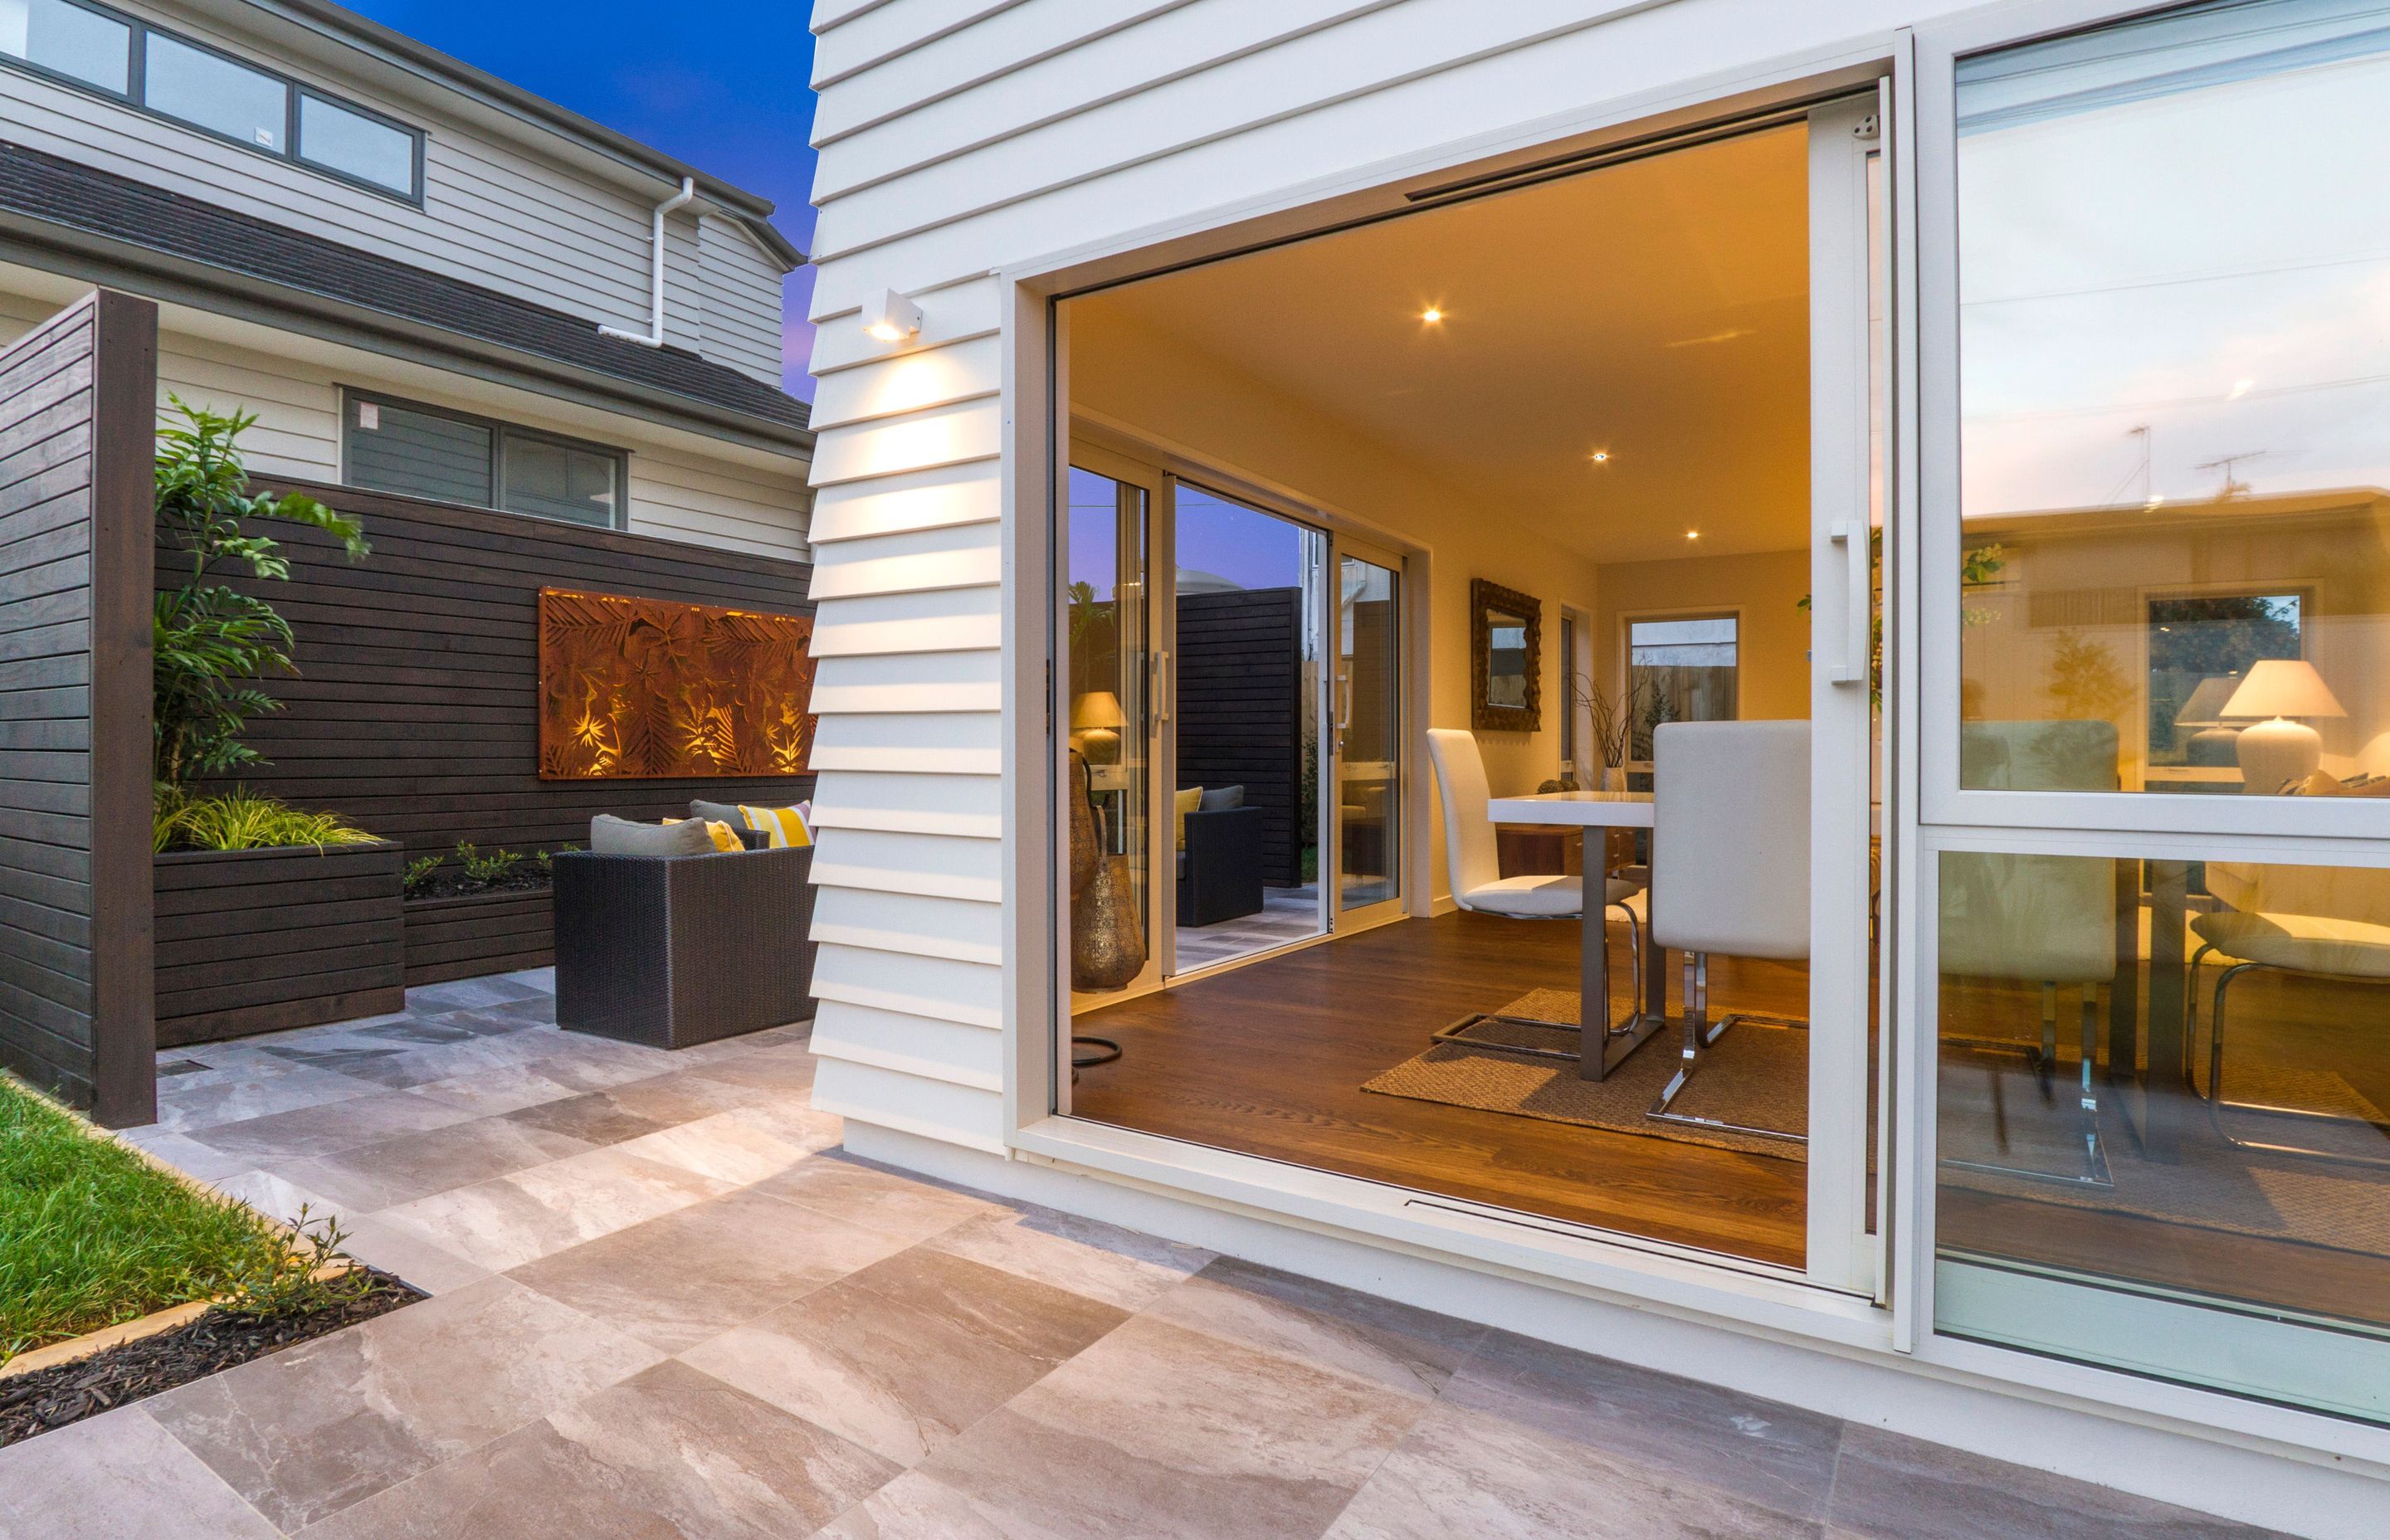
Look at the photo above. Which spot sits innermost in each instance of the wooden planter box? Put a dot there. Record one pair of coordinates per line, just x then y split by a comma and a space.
255, 940
464, 938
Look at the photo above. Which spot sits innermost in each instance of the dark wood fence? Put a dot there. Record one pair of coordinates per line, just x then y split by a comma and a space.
77, 403
1239, 710
417, 709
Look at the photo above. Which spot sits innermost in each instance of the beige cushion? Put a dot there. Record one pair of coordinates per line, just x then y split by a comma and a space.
612, 836
2305, 944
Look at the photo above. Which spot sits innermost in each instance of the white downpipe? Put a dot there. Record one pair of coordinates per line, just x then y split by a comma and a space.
654, 336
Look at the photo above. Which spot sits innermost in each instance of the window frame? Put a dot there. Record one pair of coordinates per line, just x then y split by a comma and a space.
500, 430
1628, 620
291, 152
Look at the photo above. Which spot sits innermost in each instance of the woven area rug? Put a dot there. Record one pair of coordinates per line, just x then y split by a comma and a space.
1995, 1110
1756, 1075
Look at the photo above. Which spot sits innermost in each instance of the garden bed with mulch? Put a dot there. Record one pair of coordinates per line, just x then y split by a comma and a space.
40, 1400
530, 876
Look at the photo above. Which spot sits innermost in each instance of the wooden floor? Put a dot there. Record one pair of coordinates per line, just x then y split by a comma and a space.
1269, 1059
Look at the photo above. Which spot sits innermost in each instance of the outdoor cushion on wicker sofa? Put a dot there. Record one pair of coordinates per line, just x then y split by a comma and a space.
675, 950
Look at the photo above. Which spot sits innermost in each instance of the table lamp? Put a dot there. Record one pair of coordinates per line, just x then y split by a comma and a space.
1095, 720
2277, 749
2212, 740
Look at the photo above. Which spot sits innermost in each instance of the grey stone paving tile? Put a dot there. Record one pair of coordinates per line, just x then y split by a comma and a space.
669, 1453
310, 1430
867, 1194
494, 989
461, 1056
186, 1154
115, 1477
909, 1352
1459, 1473
405, 1254
691, 1274
510, 1220
277, 1197
1155, 1431
192, 1104
540, 981
1086, 1257
1891, 1487
787, 1069
633, 1107
1398, 1345
417, 1165
735, 1147
1779, 1456
420, 1030
328, 1127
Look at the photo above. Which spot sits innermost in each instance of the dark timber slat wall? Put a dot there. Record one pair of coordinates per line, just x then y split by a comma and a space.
415, 714
1239, 709
77, 403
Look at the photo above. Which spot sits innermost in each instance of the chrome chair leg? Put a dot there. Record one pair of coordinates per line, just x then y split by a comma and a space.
1700, 1037
2043, 1058
2216, 1104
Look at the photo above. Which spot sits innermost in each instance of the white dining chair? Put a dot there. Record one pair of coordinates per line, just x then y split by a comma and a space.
1729, 871
1474, 862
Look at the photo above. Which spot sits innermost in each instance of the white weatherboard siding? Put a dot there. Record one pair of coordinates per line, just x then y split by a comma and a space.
960, 136
496, 213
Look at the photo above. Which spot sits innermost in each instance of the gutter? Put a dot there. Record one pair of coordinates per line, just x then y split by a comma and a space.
654, 336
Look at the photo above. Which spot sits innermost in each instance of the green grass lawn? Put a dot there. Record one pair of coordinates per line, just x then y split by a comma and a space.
91, 1234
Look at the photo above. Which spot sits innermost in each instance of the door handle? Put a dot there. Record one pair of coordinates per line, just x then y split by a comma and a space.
1162, 687
1856, 667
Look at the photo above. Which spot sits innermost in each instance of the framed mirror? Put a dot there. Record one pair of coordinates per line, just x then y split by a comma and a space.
1505, 659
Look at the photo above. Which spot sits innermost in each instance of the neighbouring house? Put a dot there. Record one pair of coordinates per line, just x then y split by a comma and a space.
1272, 457
528, 352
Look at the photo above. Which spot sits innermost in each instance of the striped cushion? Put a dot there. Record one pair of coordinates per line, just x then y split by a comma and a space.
784, 827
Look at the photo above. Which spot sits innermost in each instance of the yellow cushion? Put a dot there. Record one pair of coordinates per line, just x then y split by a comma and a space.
1188, 802
783, 828
724, 838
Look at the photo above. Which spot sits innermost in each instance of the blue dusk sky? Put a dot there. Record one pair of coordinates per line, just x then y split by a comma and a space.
720, 83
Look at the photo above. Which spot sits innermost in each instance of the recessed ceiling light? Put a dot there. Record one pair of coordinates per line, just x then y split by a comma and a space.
1430, 315
1602, 457
1692, 534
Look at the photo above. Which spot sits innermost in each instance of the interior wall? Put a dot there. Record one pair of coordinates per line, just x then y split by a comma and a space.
1159, 388
1765, 588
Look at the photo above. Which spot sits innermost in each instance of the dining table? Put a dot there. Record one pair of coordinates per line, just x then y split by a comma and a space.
1600, 1049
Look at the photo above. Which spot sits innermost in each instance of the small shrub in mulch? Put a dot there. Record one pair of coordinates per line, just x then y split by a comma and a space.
46, 1399
451, 883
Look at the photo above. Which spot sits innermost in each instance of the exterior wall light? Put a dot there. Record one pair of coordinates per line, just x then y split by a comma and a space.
891, 318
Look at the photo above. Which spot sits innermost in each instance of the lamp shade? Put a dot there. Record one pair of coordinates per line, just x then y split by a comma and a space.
1095, 708
2206, 707
2281, 687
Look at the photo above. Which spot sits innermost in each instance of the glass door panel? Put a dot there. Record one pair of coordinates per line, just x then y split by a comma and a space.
1108, 654
1367, 739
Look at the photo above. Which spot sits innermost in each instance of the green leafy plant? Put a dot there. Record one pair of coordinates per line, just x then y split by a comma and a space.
485, 868
306, 1276
546, 858
212, 642
418, 872
242, 819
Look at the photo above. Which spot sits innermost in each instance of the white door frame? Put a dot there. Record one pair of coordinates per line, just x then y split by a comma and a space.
1340, 921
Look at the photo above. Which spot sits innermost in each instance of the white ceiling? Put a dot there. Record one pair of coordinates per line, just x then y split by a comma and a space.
1656, 310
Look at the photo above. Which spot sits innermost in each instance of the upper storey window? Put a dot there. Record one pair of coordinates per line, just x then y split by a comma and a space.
173, 77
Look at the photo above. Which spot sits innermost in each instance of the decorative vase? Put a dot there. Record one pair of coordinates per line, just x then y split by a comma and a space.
1613, 778
1083, 823
1107, 939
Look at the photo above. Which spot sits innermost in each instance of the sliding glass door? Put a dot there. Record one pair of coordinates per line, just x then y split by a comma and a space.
1366, 741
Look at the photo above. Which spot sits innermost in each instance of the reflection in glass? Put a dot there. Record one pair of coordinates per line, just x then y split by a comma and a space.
76, 43
348, 141
1368, 728
215, 93
2174, 1096
2175, 390
1105, 620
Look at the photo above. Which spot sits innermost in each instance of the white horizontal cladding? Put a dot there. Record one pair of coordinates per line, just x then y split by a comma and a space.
910, 382
915, 925
942, 435
919, 743
877, 32
966, 806
969, 994
939, 620
908, 682
1007, 40
961, 556
1467, 90
924, 1045
951, 313
298, 410
739, 507
910, 1103
937, 498
937, 866
1140, 53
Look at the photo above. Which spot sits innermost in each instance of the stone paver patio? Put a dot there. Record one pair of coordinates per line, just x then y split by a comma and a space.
665, 1303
